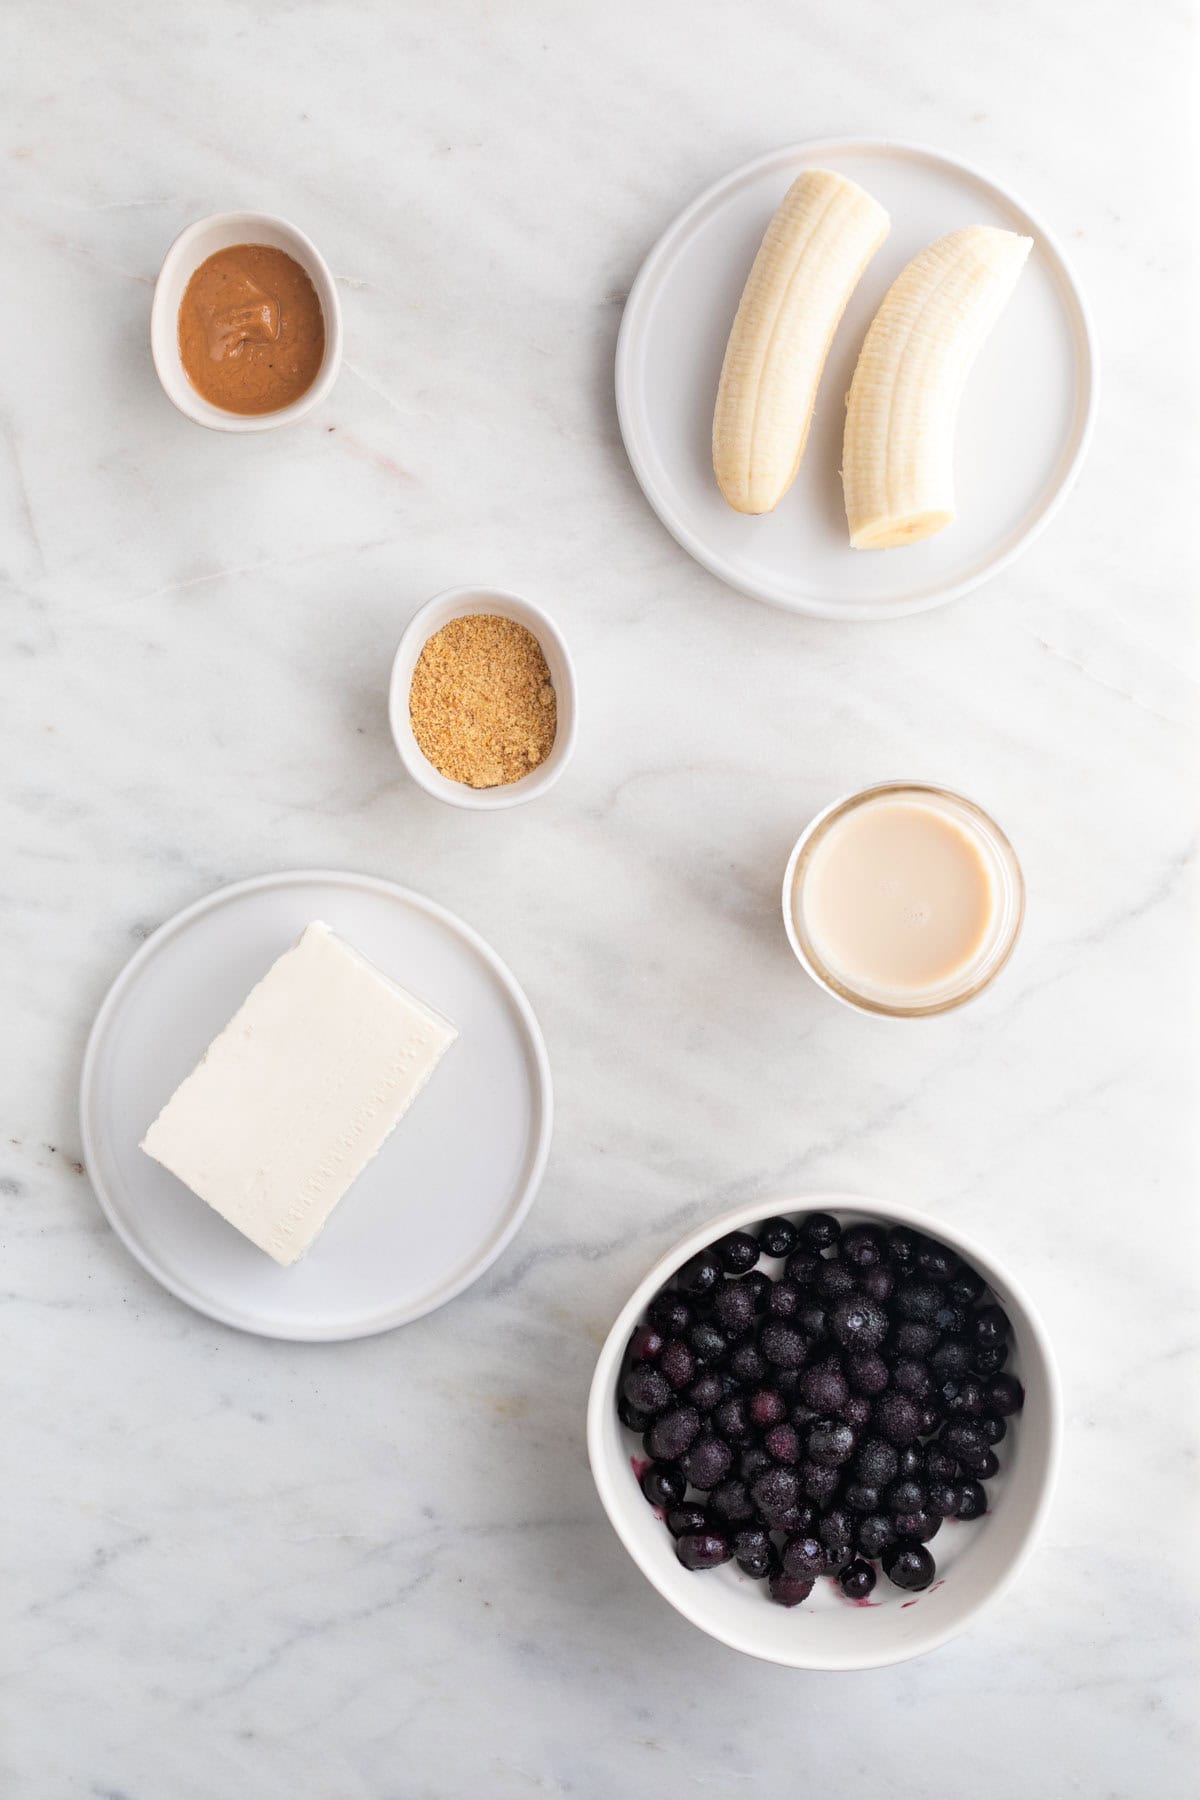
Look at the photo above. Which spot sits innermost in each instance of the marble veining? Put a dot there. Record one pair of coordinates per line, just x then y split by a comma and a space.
378, 1571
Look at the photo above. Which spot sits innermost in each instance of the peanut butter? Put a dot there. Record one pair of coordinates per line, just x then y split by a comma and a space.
251, 330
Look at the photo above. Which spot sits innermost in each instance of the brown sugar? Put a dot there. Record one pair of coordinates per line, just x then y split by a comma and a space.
482, 703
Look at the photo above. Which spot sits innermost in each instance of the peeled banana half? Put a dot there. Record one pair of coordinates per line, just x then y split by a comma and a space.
816, 247
898, 456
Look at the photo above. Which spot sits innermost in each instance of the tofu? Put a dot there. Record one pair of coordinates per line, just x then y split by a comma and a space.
291, 1101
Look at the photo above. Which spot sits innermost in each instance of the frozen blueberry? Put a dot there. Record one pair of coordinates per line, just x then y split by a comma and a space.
632, 1416
747, 1362
856, 1412
1002, 1396
952, 1357
905, 1495
707, 1391
752, 1462
818, 1482
861, 1497
937, 1261
703, 1549
909, 1566
911, 1376
688, 1517
670, 1312
965, 1287
993, 1429
646, 1344
939, 1463
990, 1362
876, 1462
985, 1465
758, 1283
902, 1246
911, 1460
917, 1527
959, 1397
707, 1462
824, 1387
972, 1501
950, 1319
819, 1230
941, 1498
731, 1419
731, 1501
709, 1343
963, 1438
784, 1299
701, 1273
857, 1580
867, 1372
877, 1283
737, 1253
862, 1246
677, 1363
835, 1281
775, 1492
896, 1418
873, 1533
646, 1388
782, 1344
782, 1443
912, 1338
989, 1327
788, 1590
813, 1319
802, 1267
664, 1484
766, 1408
836, 1526
777, 1237
734, 1309
830, 1443
672, 1433
930, 1418
786, 1383
916, 1299
858, 1323
803, 1555
754, 1551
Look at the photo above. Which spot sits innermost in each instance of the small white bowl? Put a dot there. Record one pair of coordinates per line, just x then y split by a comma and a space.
976, 1562
458, 603
190, 249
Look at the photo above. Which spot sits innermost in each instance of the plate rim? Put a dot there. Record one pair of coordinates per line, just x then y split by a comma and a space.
110, 1006
645, 285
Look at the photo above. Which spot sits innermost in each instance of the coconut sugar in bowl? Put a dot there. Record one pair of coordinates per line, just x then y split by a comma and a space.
482, 699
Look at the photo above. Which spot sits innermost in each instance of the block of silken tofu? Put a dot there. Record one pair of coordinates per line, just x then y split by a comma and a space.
290, 1102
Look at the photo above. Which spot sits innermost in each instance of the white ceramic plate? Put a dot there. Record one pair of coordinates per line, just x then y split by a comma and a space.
1023, 428
446, 1193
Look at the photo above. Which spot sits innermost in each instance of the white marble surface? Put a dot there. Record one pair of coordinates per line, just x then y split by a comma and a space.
379, 1571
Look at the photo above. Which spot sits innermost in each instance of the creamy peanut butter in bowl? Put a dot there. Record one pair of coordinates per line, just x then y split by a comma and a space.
245, 327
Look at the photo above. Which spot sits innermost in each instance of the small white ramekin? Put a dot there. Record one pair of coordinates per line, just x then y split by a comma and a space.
976, 1562
190, 249
1010, 904
458, 603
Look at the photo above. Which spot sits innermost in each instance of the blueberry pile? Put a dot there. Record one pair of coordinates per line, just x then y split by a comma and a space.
825, 1416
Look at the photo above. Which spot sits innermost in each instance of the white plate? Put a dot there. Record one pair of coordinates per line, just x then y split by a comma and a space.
1023, 428
446, 1193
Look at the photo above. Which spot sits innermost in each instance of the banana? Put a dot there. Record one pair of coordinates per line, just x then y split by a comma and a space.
816, 246
898, 456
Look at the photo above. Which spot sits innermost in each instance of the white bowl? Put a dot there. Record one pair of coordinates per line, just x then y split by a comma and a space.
975, 1561
458, 603
190, 249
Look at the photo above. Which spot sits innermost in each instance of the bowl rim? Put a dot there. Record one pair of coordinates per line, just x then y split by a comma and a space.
457, 603
601, 1398
168, 365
